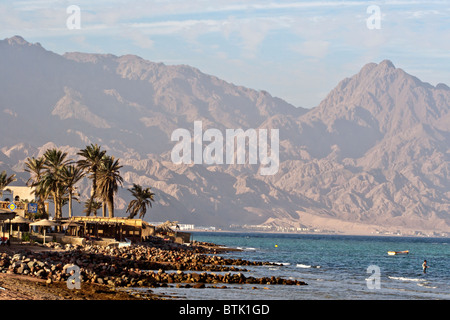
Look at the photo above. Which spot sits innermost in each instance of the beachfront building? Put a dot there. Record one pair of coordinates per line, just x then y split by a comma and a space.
19, 199
102, 230
18, 193
119, 229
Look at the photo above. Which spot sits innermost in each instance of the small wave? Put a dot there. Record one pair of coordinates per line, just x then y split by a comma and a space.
246, 248
281, 263
407, 279
426, 285
306, 266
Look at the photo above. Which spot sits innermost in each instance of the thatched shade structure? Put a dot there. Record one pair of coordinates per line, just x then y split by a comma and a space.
6, 215
44, 223
20, 222
20, 219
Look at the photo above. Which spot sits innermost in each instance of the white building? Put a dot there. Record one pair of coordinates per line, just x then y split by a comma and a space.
17, 194
184, 227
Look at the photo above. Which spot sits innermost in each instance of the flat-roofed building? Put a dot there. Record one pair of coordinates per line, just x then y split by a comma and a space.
18, 193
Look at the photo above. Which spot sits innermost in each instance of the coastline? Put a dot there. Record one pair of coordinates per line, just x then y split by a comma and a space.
150, 271
17, 286
318, 233
37, 272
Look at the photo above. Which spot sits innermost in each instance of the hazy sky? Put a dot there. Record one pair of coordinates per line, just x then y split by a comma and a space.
295, 50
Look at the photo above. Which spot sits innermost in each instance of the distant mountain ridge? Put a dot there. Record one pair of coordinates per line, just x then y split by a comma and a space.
373, 155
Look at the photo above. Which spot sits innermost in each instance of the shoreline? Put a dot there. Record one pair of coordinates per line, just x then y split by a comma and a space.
15, 286
37, 272
19, 287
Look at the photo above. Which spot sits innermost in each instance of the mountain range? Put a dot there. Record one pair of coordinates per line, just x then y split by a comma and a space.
373, 156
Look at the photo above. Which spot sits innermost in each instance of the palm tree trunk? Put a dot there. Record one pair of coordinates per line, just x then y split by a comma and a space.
91, 199
70, 203
59, 201
41, 207
60, 205
104, 209
55, 202
110, 204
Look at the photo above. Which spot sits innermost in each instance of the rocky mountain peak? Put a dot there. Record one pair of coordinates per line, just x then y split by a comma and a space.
442, 86
19, 41
386, 64
386, 96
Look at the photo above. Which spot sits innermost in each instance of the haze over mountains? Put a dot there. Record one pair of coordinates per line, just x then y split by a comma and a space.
373, 155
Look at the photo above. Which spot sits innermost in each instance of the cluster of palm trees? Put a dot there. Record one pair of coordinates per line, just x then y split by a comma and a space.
54, 177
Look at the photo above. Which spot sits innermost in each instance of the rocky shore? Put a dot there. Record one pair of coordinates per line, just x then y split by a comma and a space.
153, 264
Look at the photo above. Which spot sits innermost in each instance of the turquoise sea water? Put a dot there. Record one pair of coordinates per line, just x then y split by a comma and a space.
335, 267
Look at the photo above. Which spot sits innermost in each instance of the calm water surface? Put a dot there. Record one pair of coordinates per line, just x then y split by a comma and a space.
335, 267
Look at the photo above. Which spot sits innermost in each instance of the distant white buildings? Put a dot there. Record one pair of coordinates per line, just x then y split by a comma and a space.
186, 227
271, 228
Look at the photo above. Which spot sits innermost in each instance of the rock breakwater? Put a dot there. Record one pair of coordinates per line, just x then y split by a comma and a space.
137, 266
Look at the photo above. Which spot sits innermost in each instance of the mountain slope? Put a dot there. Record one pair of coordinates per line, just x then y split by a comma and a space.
381, 150
373, 155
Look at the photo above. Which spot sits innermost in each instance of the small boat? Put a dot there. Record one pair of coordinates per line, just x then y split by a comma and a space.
393, 253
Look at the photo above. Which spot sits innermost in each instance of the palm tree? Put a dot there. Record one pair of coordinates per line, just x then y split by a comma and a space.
35, 166
92, 158
108, 180
70, 175
55, 161
143, 198
5, 180
94, 206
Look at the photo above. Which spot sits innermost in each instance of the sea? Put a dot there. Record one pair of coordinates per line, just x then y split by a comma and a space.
335, 267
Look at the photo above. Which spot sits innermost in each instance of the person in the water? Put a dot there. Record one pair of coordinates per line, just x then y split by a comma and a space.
424, 266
